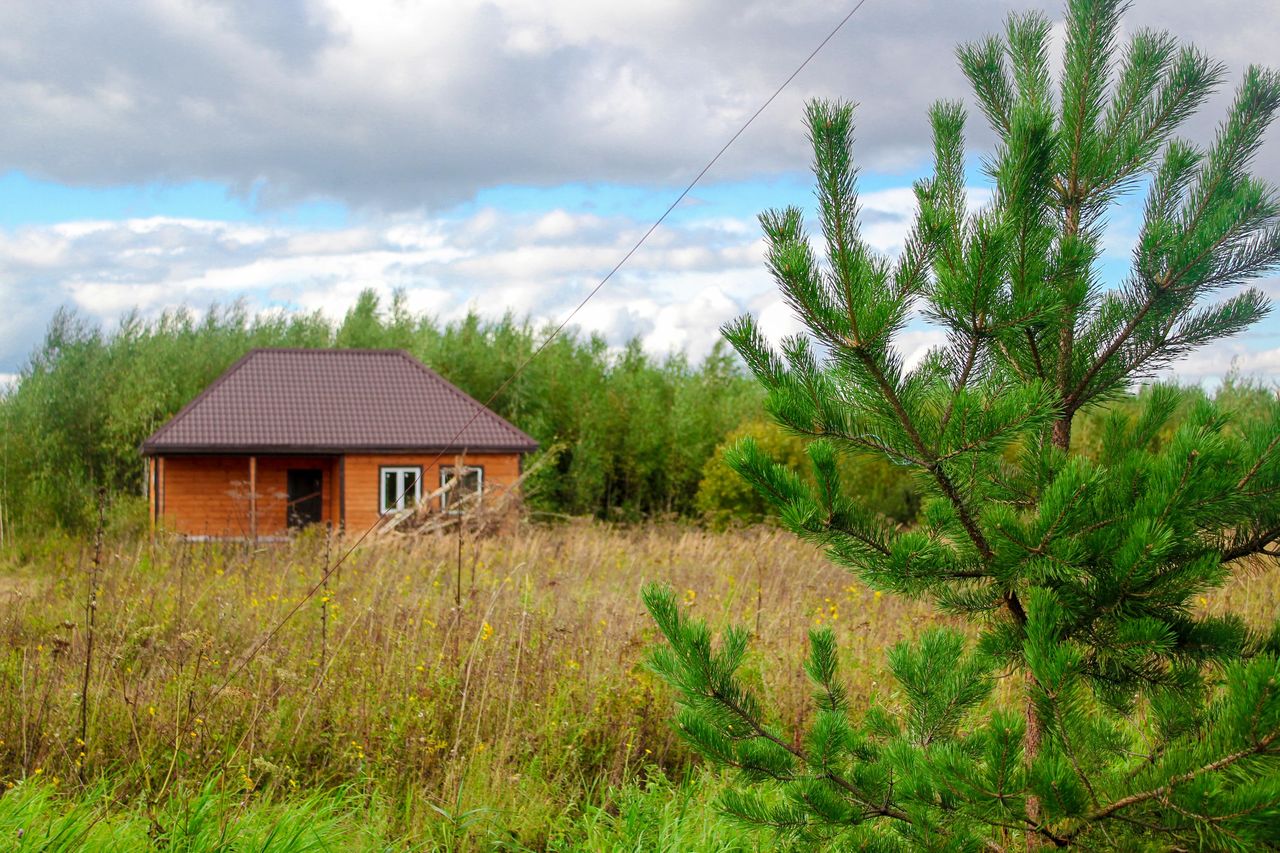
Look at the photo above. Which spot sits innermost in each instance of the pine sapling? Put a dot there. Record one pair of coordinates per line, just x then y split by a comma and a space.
1140, 722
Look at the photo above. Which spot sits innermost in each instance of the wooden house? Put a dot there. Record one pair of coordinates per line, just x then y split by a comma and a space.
291, 437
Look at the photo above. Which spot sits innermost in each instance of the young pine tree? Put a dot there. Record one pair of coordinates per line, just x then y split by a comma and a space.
1137, 722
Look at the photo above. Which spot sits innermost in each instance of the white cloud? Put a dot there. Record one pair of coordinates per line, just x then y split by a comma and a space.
394, 104
1246, 356
914, 344
673, 295
776, 320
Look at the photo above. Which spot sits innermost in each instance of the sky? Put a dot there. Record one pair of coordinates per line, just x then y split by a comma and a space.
488, 156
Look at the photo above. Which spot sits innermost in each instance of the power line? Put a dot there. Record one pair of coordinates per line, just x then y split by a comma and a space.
329, 570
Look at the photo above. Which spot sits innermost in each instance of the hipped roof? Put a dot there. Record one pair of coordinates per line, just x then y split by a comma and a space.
334, 401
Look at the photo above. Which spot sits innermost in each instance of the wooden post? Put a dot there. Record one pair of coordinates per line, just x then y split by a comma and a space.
253, 499
342, 493
152, 495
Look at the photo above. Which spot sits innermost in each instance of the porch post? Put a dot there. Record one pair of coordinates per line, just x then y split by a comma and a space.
153, 495
342, 493
253, 499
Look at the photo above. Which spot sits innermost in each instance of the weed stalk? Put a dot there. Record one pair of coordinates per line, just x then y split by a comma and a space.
90, 623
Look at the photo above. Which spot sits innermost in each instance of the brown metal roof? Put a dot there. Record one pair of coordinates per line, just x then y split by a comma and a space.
334, 401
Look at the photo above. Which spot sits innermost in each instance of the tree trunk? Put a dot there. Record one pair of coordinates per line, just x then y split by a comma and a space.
1031, 739
1030, 749
1062, 432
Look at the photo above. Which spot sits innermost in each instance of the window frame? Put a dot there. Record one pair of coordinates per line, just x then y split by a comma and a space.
401, 494
444, 497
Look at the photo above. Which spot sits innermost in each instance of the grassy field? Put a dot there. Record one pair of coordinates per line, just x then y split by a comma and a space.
488, 694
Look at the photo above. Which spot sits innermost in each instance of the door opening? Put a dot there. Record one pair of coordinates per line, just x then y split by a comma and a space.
306, 496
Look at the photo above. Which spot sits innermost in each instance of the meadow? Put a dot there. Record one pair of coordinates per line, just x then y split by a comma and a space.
439, 693
512, 711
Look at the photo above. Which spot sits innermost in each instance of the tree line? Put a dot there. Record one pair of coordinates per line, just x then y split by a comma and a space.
632, 435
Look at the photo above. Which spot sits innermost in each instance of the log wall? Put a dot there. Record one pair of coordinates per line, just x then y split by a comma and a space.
211, 496
363, 479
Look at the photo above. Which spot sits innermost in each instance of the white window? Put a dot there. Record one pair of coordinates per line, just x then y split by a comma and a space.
401, 488
470, 483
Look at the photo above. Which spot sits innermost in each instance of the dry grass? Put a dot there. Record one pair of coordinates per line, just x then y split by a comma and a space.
528, 699
514, 709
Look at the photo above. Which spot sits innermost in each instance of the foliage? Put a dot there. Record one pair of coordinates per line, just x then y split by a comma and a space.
723, 496
1133, 721
636, 430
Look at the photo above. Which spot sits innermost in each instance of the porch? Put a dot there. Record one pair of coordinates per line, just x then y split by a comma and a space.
244, 497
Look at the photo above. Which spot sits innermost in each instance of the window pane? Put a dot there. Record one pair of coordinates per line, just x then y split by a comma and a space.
470, 482
388, 490
410, 488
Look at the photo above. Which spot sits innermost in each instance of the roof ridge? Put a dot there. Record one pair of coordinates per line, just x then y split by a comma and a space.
331, 350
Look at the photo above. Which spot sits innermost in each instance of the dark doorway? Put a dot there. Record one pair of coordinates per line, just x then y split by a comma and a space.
306, 496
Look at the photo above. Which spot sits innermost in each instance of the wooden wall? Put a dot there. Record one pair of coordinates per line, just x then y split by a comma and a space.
210, 495
362, 479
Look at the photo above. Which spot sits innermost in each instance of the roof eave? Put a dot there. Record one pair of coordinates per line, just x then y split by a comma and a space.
321, 450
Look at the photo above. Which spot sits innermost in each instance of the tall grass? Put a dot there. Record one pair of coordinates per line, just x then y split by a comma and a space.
515, 710
521, 718
35, 816
653, 815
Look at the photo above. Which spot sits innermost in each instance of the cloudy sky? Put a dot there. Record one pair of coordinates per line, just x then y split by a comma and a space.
491, 156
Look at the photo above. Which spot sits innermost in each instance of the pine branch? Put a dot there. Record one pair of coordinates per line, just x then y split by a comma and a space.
1035, 354
859, 536
1253, 545
1077, 395
1163, 791
1192, 91
1009, 427
962, 380
931, 462
761, 732
1259, 462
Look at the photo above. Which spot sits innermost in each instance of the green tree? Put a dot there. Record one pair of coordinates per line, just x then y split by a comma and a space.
1137, 723
632, 432
725, 497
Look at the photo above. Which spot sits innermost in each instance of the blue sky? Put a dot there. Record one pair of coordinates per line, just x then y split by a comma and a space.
27, 201
477, 155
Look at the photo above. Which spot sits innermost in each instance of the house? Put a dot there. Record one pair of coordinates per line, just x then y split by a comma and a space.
291, 437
